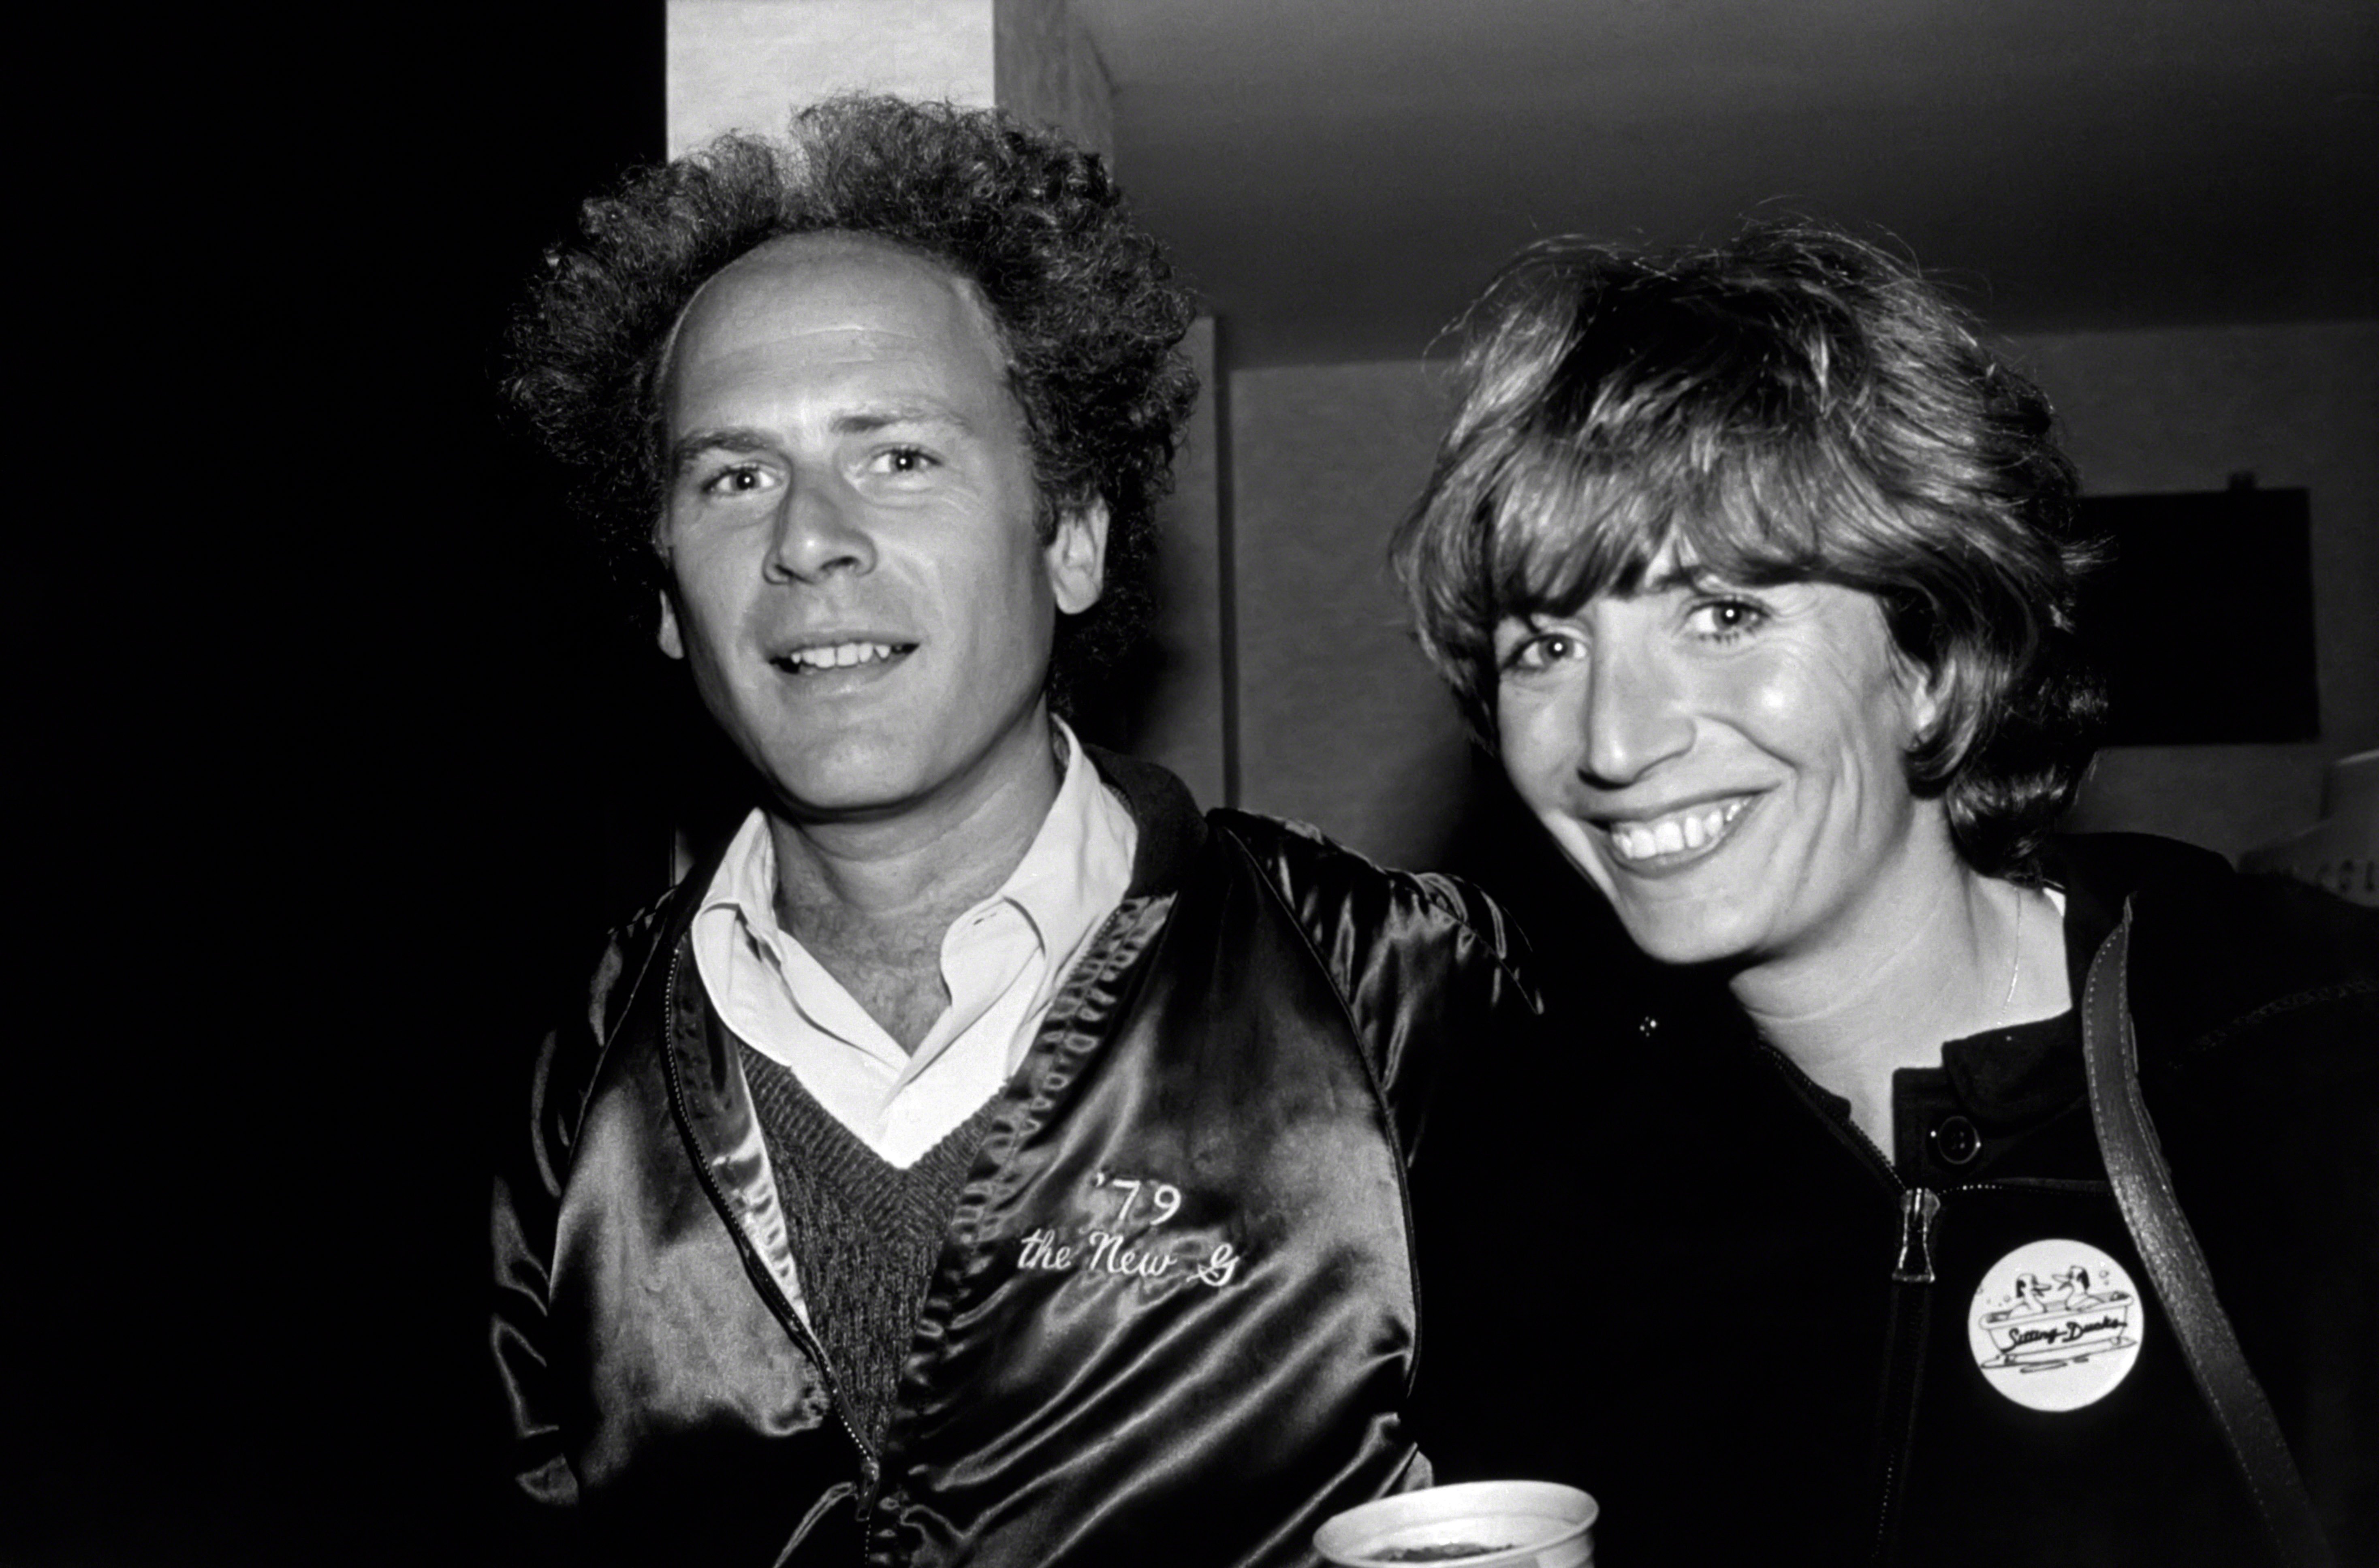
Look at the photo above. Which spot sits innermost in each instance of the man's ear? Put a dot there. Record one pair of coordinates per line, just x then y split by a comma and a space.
1077, 554
672, 639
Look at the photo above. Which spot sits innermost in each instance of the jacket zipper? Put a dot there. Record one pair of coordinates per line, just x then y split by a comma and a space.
1912, 1305
1912, 1280
1920, 1207
1912, 1302
1912, 1298
754, 1264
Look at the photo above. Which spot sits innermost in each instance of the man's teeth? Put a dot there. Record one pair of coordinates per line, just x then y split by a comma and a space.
1673, 834
838, 655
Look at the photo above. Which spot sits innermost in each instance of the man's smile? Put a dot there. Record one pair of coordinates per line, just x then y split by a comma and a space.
818, 656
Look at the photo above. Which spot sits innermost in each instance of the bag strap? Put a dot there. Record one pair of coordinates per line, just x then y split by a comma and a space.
2142, 1183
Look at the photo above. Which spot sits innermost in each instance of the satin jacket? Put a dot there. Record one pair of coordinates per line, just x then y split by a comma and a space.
1767, 1341
1176, 1317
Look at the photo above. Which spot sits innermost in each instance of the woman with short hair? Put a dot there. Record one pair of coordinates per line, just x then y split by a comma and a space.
1758, 570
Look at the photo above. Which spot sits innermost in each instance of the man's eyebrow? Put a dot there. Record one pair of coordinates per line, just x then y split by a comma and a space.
864, 421
694, 443
858, 422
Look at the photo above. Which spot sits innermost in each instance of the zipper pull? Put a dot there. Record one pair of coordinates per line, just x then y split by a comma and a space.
1919, 1207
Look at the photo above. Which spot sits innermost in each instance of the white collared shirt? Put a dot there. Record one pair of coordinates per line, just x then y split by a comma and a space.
1002, 961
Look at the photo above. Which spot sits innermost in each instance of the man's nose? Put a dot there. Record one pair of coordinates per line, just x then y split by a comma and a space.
1635, 714
820, 531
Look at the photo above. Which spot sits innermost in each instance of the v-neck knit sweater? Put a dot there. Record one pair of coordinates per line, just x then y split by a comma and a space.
864, 1234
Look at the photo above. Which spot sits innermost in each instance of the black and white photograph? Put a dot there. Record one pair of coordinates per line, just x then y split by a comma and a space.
1263, 784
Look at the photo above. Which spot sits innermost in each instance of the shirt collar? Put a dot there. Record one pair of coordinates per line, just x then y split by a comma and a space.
1079, 861
1072, 874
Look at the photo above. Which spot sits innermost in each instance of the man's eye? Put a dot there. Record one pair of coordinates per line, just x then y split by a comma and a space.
903, 460
742, 479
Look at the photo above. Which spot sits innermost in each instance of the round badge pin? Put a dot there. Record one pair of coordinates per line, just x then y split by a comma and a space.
2056, 1325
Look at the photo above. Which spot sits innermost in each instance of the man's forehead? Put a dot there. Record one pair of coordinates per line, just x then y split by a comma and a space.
871, 280
828, 247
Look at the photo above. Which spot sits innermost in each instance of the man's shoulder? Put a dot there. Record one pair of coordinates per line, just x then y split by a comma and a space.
601, 984
1328, 885
1301, 849
1345, 902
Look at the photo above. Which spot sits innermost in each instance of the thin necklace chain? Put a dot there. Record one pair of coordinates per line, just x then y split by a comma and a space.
2015, 969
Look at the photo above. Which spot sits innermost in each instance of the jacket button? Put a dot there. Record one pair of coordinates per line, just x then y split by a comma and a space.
1955, 1140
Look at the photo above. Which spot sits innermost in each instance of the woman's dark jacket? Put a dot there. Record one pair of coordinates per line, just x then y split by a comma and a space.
1731, 1366
1107, 1370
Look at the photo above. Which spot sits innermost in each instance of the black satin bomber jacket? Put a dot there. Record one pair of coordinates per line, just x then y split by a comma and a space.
1176, 1318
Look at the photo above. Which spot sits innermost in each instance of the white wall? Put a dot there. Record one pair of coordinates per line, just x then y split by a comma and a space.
746, 65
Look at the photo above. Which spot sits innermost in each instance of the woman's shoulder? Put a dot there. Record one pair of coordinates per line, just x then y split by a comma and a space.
2217, 953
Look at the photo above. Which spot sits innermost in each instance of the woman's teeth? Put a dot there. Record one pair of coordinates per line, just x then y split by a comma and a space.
1674, 834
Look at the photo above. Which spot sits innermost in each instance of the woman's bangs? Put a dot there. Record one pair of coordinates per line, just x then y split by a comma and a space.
1565, 529
1752, 524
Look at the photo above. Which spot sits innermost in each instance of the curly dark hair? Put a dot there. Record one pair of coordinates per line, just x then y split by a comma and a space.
1792, 404
1081, 297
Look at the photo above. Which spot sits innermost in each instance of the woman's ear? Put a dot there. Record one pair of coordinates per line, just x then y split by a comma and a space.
1930, 689
1939, 705
1927, 669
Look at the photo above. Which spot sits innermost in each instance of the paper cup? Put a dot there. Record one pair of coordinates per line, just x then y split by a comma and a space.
1509, 1524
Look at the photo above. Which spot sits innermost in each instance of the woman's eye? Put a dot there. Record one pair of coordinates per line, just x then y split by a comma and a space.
1725, 619
1542, 650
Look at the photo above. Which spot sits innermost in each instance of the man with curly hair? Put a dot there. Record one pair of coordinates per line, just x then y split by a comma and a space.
988, 1158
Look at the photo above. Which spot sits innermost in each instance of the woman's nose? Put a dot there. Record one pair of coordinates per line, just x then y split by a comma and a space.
1636, 717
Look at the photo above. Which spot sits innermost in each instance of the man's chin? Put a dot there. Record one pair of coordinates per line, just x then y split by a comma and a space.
856, 777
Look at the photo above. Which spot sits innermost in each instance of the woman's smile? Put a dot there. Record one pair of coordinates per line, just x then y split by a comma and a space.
1672, 840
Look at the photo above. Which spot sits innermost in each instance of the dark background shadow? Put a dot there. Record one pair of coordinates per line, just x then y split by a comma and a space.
330, 759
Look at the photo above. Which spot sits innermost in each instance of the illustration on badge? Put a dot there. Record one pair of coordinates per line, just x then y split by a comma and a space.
2056, 1325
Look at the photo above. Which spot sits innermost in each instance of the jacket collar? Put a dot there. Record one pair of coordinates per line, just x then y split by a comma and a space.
1171, 835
